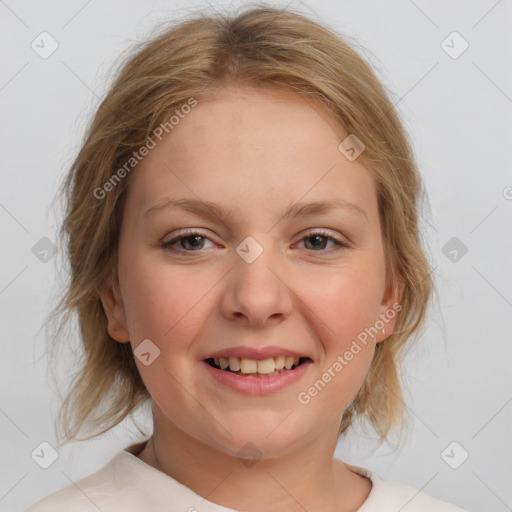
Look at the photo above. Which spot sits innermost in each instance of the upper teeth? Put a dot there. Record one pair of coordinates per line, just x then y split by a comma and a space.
265, 366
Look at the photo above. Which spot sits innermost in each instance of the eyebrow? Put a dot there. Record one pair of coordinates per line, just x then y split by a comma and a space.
209, 209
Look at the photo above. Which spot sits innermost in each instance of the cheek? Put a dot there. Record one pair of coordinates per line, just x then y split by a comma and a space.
166, 305
163, 303
345, 306
343, 314
346, 301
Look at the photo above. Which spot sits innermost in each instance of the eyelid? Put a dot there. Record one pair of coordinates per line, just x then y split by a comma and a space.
318, 231
186, 232
344, 241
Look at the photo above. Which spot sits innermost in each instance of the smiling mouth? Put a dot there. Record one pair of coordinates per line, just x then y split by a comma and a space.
257, 368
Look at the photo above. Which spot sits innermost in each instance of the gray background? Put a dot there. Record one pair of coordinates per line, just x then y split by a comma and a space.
458, 112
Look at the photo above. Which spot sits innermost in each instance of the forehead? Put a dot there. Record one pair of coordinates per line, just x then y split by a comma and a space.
252, 149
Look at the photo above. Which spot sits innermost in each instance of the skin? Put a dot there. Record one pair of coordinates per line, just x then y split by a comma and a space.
255, 153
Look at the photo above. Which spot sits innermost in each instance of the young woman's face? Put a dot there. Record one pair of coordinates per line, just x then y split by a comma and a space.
257, 276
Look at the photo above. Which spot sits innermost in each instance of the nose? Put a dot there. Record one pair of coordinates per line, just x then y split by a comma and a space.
257, 293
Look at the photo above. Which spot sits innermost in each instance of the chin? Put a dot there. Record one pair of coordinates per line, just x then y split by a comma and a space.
267, 436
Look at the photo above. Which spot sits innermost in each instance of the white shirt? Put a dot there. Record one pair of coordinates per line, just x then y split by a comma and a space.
128, 484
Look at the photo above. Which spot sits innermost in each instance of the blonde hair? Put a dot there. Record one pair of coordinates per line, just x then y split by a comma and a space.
262, 47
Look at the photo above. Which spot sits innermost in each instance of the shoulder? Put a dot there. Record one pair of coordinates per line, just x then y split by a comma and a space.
126, 483
388, 496
408, 499
98, 491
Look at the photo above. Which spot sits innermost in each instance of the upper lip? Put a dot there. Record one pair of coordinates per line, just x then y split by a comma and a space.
254, 353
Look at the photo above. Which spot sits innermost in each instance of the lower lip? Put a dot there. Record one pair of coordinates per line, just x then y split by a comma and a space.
258, 385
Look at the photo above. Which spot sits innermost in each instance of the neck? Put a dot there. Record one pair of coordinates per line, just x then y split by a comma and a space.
306, 479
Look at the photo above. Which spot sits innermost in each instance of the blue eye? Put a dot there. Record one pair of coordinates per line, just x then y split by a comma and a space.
194, 241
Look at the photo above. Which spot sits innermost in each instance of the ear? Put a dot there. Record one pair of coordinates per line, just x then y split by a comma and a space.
114, 311
389, 308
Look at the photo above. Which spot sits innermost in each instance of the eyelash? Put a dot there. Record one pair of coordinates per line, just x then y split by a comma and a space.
189, 233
